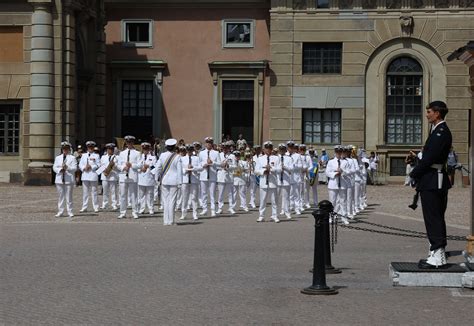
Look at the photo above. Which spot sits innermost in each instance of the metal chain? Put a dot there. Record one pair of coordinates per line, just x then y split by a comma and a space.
411, 233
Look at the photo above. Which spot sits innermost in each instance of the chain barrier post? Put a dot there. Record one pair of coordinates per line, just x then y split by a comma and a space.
329, 240
319, 286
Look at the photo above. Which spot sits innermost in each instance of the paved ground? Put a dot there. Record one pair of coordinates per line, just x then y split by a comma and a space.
227, 270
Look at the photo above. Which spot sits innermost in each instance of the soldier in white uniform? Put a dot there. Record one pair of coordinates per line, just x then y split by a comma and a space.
295, 193
241, 175
189, 189
352, 167
89, 163
284, 180
312, 184
65, 166
307, 164
109, 177
253, 177
179, 196
268, 168
337, 183
146, 179
225, 178
171, 171
129, 160
210, 160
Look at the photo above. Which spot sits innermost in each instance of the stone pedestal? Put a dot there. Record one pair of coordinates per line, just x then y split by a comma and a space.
39, 174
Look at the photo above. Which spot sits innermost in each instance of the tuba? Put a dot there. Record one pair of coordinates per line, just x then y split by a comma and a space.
109, 167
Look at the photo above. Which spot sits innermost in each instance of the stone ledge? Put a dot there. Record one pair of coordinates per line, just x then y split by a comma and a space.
430, 279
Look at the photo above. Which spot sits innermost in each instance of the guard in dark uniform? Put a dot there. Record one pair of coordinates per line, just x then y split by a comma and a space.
432, 183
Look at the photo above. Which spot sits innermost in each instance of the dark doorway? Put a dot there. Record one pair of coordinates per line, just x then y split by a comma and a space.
137, 108
237, 109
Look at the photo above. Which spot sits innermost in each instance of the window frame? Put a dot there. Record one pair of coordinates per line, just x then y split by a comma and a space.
322, 63
393, 166
404, 115
226, 22
321, 136
126, 43
18, 107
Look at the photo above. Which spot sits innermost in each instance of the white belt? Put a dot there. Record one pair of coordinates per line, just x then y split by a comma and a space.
439, 167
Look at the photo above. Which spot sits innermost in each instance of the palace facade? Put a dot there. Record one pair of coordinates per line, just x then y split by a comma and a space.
322, 72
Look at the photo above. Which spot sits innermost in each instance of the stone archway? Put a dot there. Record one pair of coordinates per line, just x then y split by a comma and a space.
434, 77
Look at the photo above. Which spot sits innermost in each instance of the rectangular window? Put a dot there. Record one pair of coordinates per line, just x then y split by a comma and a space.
9, 128
321, 126
238, 33
397, 166
322, 58
137, 98
322, 4
137, 33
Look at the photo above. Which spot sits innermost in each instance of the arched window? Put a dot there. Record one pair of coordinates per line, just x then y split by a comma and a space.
404, 102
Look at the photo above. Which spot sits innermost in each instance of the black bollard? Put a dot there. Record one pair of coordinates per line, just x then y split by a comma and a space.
319, 271
326, 206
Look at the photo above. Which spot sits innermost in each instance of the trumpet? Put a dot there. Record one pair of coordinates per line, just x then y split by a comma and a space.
109, 167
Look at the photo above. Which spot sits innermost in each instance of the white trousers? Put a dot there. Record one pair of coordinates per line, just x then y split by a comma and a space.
110, 190
145, 198
295, 196
224, 189
253, 190
189, 192
337, 197
90, 187
363, 193
179, 198
65, 196
284, 198
350, 201
264, 194
128, 191
241, 192
208, 186
169, 194
357, 194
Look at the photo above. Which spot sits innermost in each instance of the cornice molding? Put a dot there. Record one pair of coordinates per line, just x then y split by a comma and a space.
187, 4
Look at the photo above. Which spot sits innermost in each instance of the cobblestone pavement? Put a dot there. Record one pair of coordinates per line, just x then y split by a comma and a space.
96, 269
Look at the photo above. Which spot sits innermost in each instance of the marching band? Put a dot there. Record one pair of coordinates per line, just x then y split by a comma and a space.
186, 177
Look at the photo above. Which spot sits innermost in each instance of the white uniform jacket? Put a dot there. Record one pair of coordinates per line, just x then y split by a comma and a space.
241, 173
93, 160
358, 174
306, 165
146, 178
226, 174
286, 175
191, 172
297, 167
174, 175
212, 169
104, 161
353, 168
71, 163
275, 169
134, 158
331, 169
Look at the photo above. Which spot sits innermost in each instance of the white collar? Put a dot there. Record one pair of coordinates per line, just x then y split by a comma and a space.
435, 126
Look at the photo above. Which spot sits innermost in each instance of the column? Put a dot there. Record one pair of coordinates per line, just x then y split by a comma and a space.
41, 137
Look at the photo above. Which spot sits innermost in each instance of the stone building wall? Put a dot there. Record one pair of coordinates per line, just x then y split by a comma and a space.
371, 38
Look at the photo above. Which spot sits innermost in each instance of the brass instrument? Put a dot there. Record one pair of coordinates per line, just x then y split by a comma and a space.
238, 171
109, 167
64, 168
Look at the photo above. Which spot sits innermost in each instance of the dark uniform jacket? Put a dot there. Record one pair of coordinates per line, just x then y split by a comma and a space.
435, 151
